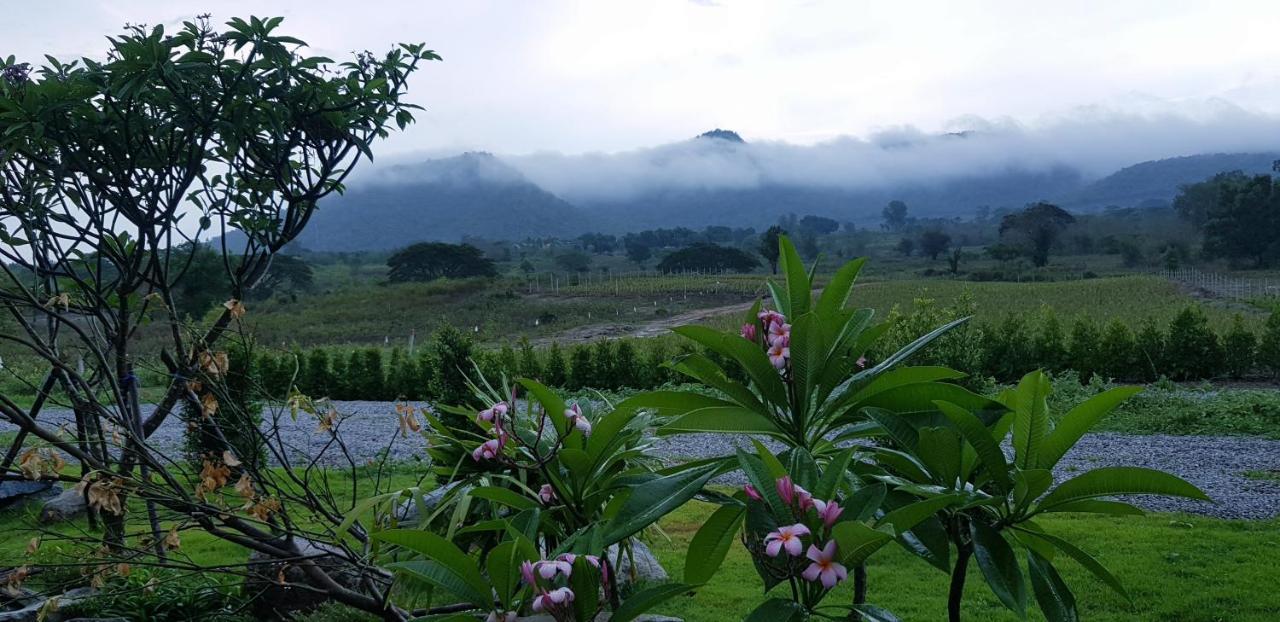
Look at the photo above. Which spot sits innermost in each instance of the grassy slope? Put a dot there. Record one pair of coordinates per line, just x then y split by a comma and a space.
1177, 567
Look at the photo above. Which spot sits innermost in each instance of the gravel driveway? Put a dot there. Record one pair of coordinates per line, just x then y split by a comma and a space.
1214, 463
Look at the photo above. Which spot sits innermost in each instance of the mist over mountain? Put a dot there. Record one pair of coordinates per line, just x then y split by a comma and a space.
1086, 161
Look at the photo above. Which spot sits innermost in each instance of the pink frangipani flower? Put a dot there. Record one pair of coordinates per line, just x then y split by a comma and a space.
489, 449
779, 354
748, 331
785, 538
546, 494
526, 573
824, 568
548, 568
752, 493
501, 616
492, 413
803, 499
828, 511
549, 600
572, 557
786, 489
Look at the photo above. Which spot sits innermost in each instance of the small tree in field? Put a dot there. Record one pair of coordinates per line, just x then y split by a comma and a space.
1036, 229
109, 171
1240, 347
1192, 350
1269, 345
934, 243
769, 246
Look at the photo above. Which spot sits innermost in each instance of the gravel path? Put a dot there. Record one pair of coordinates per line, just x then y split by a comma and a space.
1214, 463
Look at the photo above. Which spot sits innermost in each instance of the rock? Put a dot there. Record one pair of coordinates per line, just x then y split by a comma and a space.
270, 599
19, 491
66, 506
31, 613
647, 567
410, 511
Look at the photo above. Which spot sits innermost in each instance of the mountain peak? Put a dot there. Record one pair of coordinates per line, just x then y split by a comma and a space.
720, 134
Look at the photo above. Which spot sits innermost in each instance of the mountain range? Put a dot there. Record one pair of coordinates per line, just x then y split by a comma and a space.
479, 194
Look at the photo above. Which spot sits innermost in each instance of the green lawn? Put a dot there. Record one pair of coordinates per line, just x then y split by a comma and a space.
1177, 567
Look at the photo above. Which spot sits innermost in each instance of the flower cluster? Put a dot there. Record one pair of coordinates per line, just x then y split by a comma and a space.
777, 336
544, 577
814, 520
492, 448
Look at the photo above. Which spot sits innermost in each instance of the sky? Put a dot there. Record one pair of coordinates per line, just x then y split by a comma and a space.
588, 80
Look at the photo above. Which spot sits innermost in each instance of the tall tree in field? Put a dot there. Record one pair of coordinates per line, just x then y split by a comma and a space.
109, 169
895, 216
428, 261
934, 243
769, 246
1036, 228
1244, 224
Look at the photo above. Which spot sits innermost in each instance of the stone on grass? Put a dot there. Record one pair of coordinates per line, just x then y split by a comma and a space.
13, 492
64, 507
410, 510
647, 567
270, 598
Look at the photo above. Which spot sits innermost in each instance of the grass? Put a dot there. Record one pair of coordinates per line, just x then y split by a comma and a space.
1270, 475
1177, 567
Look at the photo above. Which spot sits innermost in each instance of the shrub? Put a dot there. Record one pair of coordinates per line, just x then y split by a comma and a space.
507, 361
554, 371
1149, 350
1118, 354
529, 366
625, 369
581, 368
1192, 350
426, 367
1009, 349
319, 381
1240, 348
655, 371
1269, 347
1050, 345
1085, 342
402, 376
453, 352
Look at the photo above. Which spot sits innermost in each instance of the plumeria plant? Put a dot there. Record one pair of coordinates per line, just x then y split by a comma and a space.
548, 487
996, 500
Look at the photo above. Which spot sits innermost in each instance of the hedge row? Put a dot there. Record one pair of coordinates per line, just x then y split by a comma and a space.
1186, 349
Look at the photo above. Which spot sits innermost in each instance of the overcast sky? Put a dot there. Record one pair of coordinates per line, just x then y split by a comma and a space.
592, 76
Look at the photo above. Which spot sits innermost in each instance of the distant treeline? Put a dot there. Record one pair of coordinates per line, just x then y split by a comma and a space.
1186, 348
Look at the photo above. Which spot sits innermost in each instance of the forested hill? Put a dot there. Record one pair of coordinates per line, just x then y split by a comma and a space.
1157, 181
478, 194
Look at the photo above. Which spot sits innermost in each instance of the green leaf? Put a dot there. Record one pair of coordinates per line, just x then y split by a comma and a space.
1098, 506
865, 502
906, 517
1109, 481
551, 403
646, 599
1031, 419
836, 293
940, 452
503, 565
777, 610
857, 541
585, 583
799, 290
1082, 558
654, 499
505, 496
711, 543
727, 419
1052, 593
671, 402
834, 475
747, 354
872, 613
451, 569
1079, 420
978, 436
902, 432
1000, 567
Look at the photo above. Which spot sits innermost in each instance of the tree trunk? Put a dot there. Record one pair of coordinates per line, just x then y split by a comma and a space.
956, 595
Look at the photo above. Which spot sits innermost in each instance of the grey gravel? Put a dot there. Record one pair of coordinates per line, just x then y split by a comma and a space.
1214, 463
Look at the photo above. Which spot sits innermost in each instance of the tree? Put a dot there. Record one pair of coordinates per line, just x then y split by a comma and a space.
453, 350
769, 246
233, 130
574, 261
637, 251
1241, 347
598, 242
1036, 228
818, 225
906, 246
428, 261
1245, 222
1269, 345
934, 243
1195, 202
895, 216
288, 275
708, 257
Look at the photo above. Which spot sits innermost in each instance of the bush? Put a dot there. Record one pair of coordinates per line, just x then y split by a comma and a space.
1192, 350
453, 352
625, 369
1240, 349
1085, 344
320, 380
403, 376
1050, 345
1118, 355
581, 370
1149, 350
554, 371
529, 366
1009, 349
604, 366
1269, 347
